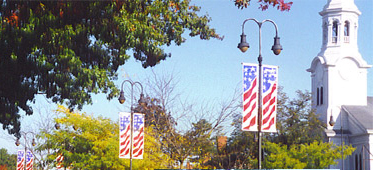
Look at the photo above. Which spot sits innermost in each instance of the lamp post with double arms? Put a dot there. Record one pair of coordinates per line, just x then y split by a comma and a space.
122, 99
276, 48
24, 134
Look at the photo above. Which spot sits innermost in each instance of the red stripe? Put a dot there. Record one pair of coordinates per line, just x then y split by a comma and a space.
268, 97
140, 133
252, 123
270, 124
125, 152
248, 93
137, 148
125, 143
249, 113
269, 116
127, 129
21, 163
141, 139
29, 163
139, 154
253, 97
126, 139
273, 101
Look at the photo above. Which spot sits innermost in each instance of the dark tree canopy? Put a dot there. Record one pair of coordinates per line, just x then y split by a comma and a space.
67, 50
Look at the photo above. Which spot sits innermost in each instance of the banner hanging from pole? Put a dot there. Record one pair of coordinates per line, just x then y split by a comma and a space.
250, 97
251, 93
59, 161
29, 160
270, 76
138, 136
124, 134
20, 160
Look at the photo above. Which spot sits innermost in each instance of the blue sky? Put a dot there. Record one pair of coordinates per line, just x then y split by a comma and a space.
211, 70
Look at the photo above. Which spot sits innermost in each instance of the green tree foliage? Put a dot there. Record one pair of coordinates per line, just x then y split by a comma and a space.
195, 143
297, 123
298, 143
201, 143
7, 161
240, 152
315, 155
94, 144
67, 50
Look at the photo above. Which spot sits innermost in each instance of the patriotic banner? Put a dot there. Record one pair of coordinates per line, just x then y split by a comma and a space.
29, 160
270, 76
250, 97
59, 161
138, 136
20, 160
124, 134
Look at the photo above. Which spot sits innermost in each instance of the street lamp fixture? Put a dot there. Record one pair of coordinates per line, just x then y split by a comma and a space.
276, 48
244, 46
122, 99
57, 126
33, 143
331, 122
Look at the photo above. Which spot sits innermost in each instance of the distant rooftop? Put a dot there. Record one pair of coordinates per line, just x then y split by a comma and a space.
364, 114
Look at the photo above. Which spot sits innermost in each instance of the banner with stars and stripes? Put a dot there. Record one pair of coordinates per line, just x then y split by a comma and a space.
59, 161
270, 76
20, 160
138, 136
124, 134
29, 160
250, 97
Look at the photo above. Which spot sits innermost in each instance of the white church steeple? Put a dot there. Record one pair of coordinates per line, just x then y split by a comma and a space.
339, 73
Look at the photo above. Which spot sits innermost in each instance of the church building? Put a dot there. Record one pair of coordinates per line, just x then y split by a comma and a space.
339, 85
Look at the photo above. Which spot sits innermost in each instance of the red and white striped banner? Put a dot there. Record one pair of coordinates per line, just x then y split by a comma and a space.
20, 160
29, 160
270, 76
250, 97
138, 136
124, 134
59, 161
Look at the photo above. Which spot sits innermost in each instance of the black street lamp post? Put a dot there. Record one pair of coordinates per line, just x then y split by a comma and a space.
276, 48
122, 99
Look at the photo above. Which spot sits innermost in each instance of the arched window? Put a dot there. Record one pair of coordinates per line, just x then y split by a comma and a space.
335, 31
347, 32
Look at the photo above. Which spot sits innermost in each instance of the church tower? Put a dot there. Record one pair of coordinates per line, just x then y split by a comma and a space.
338, 72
